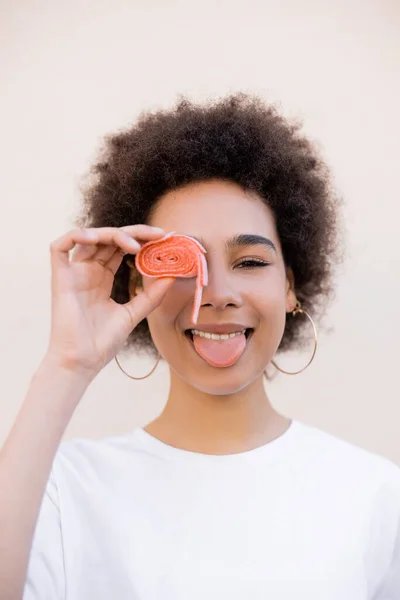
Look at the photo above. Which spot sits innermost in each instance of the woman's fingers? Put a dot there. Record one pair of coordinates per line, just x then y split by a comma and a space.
109, 242
114, 253
144, 303
60, 248
108, 238
114, 262
105, 253
143, 232
82, 252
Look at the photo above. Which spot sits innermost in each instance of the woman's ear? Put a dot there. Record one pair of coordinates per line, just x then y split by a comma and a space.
291, 299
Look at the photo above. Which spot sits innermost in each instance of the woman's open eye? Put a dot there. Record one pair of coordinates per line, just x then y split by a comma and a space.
250, 263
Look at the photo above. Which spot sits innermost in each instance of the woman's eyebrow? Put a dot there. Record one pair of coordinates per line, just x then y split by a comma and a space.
244, 239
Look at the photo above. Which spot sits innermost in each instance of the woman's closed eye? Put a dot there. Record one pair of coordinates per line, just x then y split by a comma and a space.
251, 263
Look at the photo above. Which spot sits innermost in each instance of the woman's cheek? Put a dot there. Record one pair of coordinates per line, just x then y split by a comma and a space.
268, 296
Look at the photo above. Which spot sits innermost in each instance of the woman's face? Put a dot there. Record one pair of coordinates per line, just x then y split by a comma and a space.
248, 287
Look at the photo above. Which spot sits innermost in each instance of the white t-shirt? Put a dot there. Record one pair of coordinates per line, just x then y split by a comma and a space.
307, 516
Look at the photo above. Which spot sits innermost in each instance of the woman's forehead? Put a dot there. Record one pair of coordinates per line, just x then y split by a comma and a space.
214, 209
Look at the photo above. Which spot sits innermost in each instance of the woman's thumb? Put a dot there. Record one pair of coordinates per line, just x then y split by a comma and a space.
146, 301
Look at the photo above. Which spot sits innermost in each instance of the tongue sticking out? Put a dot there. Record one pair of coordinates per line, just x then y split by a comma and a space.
220, 353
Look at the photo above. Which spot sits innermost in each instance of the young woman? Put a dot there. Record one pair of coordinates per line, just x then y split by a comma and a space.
220, 496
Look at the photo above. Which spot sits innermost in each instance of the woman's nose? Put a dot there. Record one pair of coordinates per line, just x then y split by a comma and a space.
220, 291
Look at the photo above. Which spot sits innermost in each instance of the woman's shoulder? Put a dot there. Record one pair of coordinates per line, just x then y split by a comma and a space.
340, 457
88, 457
106, 443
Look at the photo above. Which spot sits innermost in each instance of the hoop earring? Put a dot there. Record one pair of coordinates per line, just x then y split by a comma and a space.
145, 376
297, 310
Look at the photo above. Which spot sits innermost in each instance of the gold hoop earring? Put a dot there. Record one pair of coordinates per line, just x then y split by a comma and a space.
296, 311
145, 376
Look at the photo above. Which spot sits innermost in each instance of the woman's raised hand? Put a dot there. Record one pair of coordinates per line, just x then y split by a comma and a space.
88, 328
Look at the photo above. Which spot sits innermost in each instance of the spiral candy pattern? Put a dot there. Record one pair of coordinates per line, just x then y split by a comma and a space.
175, 255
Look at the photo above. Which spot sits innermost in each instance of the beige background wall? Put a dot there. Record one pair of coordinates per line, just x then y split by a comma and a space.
72, 71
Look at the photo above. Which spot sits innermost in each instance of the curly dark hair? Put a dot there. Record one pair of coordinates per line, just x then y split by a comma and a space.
238, 138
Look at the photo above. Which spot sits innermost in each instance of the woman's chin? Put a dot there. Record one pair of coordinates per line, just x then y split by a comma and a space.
222, 385
219, 381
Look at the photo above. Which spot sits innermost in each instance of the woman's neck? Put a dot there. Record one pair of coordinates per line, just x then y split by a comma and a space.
217, 424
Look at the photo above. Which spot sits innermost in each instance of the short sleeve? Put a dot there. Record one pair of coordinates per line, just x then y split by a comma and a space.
45, 578
384, 565
389, 588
